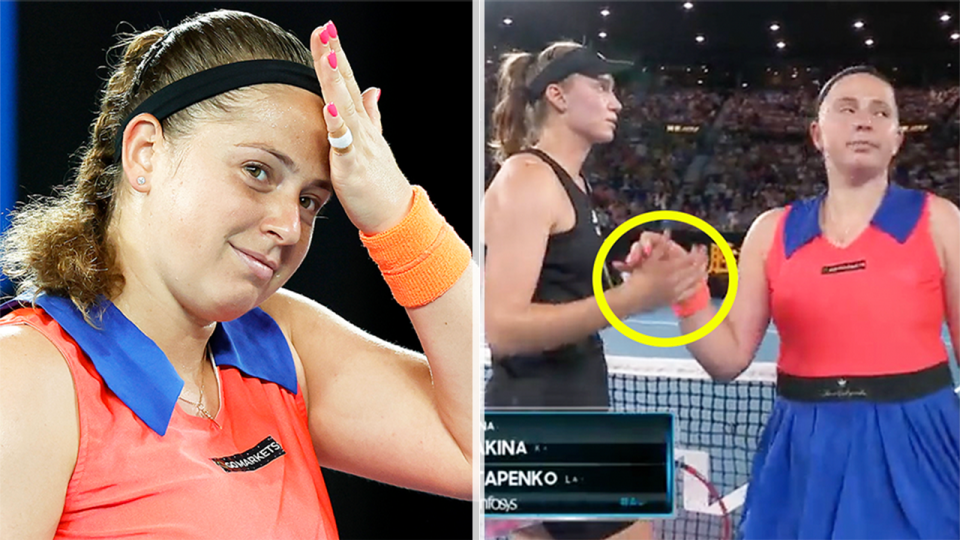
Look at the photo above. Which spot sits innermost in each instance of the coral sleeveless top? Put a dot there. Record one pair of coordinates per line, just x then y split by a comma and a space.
875, 307
146, 469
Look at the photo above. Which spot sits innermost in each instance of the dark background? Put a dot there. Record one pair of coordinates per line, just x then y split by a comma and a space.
427, 117
912, 46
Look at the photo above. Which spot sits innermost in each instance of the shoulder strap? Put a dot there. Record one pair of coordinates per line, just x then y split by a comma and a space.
573, 191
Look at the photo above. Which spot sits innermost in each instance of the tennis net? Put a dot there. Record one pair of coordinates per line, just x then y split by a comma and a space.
718, 427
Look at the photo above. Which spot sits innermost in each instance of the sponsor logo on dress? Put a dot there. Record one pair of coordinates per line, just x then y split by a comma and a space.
596, 223
852, 266
843, 391
264, 452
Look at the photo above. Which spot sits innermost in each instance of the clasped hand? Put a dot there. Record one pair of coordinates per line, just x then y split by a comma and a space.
658, 272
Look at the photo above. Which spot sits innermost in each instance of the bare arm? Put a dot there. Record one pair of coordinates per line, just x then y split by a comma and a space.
445, 329
39, 434
731, 347
522, 208
945, 229
382, 412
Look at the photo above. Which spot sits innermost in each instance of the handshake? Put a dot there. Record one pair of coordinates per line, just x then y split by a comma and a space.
657, 272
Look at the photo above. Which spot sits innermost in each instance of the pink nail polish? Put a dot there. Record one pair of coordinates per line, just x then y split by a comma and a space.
332, 59
324, 36
379, 91
332, 109
332, 29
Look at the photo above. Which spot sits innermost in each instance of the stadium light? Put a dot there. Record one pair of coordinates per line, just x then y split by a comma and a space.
508, 21
774, 27
945, 17
869, 42
688, 5
744, 85
604, 12
781, 45
858, 25
699, 81
602, 34
700, 39
955, 36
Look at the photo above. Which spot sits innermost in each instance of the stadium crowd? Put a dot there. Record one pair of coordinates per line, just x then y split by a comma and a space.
745, 151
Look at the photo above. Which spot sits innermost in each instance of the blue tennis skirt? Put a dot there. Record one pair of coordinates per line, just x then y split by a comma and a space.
857, 469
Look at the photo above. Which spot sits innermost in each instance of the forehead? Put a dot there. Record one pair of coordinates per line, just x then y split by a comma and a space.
279, 100
581, 78
860, 86
285, 117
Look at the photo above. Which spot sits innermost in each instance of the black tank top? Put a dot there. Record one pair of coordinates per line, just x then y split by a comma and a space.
567, 270
573, 375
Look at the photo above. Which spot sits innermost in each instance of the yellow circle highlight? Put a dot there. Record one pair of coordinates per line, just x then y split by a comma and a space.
660, 216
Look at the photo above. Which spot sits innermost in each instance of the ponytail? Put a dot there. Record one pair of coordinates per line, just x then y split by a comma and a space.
516, 121
59, 244
510, 118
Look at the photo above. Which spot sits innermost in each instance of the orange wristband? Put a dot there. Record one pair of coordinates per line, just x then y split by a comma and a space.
420, 257
699, 300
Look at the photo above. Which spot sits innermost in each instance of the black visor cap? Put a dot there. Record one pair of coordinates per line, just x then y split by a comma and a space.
582, 60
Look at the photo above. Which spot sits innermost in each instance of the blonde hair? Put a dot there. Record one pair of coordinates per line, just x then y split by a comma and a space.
59, 245
516, 121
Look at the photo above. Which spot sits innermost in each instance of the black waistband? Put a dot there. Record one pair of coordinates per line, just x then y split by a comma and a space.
882, 388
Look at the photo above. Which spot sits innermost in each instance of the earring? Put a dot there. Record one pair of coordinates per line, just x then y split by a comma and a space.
141, 180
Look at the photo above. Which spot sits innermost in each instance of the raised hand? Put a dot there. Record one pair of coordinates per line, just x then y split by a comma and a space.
365, 176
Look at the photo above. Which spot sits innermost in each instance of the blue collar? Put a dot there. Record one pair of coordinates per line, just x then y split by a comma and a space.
138, 372
897, 216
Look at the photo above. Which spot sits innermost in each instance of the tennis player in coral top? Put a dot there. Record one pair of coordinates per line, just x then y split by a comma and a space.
155, 379
864, 438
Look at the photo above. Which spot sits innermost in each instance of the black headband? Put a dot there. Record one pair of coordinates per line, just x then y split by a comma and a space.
195, 88
582, 60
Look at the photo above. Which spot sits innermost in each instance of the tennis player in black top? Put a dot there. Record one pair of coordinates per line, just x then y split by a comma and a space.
542, 237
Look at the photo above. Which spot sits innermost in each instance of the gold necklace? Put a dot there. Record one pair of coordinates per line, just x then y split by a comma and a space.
199, 404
